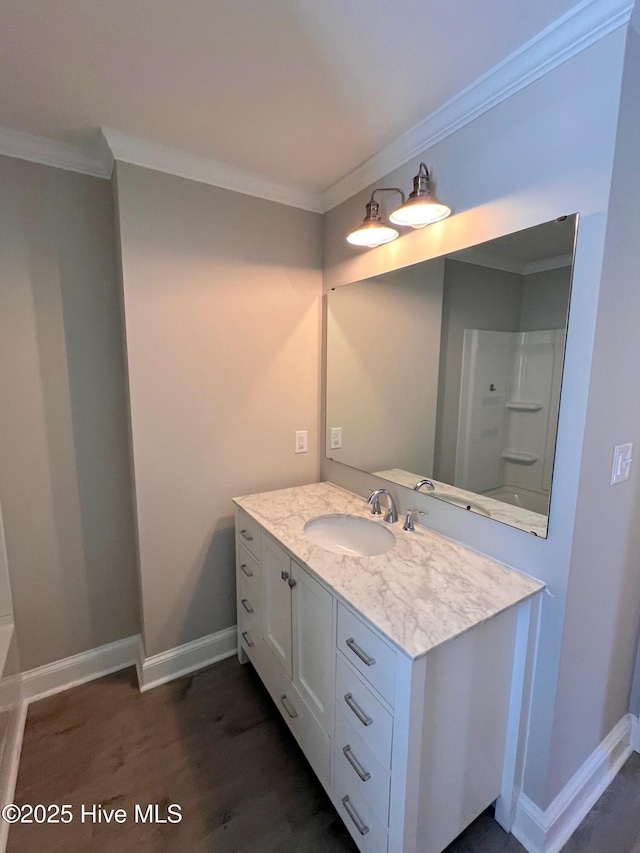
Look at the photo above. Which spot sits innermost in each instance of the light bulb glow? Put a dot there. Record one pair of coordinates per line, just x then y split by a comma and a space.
372, 234
418, 212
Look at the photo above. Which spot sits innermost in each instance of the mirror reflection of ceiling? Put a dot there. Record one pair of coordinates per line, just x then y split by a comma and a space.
254, 85
544, 244
451, 370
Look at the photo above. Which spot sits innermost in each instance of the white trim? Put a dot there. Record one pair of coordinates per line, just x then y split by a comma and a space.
11, 763
158, 669
153, 155
50, 152
548, 831
590, 21
635, 733
69, 672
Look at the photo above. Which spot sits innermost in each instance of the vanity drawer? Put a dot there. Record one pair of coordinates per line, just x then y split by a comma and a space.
366, 713
249, 533
361, 768
367, 652
249, 616
249, 568
365, 828
308, 732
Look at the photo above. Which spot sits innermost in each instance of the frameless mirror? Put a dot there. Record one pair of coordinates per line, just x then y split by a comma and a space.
450, 371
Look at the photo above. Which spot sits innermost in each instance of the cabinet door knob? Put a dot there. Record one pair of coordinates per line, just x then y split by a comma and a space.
292, 582
284, 576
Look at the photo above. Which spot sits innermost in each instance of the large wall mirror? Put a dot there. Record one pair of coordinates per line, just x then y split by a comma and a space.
450, 370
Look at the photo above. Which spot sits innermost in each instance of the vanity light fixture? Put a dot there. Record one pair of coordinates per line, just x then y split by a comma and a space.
421, 209
373, 231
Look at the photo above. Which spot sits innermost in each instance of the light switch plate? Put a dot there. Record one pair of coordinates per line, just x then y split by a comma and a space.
301, 441
336, 438
622, 458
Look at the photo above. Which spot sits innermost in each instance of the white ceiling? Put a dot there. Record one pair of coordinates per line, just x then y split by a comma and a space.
299, 91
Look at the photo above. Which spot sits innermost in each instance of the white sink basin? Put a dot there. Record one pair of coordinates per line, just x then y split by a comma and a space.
463, 502
350, 534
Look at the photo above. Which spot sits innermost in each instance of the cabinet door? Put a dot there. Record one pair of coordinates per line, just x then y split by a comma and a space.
313, 645
276, 601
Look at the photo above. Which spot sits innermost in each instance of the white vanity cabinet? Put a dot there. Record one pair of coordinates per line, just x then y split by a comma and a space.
410, 749
289, 638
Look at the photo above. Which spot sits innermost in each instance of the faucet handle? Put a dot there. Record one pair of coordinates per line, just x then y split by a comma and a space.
408, 522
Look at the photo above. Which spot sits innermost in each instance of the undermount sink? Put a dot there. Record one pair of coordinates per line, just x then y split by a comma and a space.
349, 534
472, 506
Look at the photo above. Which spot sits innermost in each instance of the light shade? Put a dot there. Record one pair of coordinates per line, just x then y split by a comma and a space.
373, 231
421, 208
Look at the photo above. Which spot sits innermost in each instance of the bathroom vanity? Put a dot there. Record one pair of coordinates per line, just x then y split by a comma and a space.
400, 675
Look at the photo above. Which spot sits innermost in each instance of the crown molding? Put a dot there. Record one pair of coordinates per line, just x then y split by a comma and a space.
589, 22
86, 159
152, 155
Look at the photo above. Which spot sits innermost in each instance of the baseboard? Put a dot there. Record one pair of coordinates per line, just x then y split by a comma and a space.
158, 669
10, 763
635, 733
78, 669
548, 831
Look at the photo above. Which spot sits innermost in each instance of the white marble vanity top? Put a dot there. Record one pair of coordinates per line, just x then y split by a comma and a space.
426, 590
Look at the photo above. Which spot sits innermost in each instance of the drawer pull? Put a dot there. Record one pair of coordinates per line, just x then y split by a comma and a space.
246, 536
355, 817
245, 570
245, 603
353, 761
365, 719
247, 639
286, 704
364, 657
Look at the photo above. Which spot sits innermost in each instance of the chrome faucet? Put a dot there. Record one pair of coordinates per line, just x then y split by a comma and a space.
424, 482
391, 515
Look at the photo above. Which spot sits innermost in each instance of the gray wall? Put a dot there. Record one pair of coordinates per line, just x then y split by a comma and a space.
222, 314
603, 602
635, 692
475, 297
64, 474
545, 151
545, 296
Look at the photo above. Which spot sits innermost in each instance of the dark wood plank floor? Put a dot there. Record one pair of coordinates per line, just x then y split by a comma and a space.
215, 745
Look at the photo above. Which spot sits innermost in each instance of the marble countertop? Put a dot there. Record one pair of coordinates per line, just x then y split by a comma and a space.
426, 590
515, 516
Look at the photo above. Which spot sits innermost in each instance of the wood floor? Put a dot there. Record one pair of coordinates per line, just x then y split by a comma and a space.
214, 744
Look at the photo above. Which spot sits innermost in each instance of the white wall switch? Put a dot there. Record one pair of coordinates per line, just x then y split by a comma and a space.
301, 441
622, 459
336, 438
